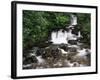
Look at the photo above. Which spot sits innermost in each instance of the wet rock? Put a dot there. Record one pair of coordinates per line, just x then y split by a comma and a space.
75, 31
27, 53
33, 51
71, 55
43, 44
67, 29
40, 51
86, 46
55, 53
82, 46
72, 42
52, 52
88, 57
64, 47
83, 60
30, 60
49, 42
76, 64
72, 49
44, 56
88, 51
47, 53
79, 39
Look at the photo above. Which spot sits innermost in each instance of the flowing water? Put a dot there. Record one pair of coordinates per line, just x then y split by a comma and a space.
65, 50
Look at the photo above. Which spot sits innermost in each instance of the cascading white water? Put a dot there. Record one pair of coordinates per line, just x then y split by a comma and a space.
73, 19
59, 37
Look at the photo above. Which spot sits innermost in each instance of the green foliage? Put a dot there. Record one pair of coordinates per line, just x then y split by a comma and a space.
37, 24
85, 24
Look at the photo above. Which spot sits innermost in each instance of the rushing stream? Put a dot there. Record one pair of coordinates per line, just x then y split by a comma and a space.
65, 50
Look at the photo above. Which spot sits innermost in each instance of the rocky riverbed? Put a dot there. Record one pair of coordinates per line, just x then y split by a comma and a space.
55, 56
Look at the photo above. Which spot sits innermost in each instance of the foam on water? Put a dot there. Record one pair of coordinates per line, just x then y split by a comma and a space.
40, 59
62, 51
82, 52
59, 37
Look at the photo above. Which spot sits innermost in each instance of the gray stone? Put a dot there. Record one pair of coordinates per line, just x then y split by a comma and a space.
72, 42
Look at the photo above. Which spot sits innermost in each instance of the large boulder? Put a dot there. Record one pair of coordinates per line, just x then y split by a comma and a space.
51, 52
72, 49
64, 47
29, 60
72, 42
40, 51
75, 31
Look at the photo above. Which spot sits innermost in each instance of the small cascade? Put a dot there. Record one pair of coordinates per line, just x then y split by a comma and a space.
73, 19
63, 36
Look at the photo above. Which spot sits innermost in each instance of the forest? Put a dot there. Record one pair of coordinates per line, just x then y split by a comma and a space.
37, 26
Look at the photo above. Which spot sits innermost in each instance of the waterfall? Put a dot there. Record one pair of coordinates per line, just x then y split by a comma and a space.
59, 37
62, 36
73, 19
64, 50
